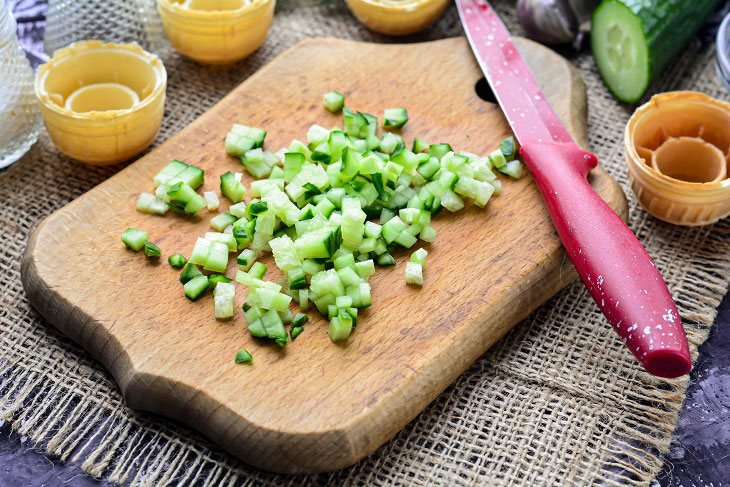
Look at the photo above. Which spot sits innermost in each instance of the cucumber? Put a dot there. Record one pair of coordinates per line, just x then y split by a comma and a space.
632, 40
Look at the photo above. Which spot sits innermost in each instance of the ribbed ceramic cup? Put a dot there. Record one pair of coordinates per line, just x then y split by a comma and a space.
216, 31
677, 148
397, 17
102, 102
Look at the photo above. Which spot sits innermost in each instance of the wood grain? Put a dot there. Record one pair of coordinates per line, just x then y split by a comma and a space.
313, 406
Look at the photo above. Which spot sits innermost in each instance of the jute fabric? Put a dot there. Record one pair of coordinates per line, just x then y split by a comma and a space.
558, 401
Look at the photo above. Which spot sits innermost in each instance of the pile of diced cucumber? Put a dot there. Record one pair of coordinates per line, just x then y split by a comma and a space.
328, 210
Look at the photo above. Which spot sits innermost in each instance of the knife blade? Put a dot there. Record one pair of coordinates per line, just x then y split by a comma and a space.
612, 263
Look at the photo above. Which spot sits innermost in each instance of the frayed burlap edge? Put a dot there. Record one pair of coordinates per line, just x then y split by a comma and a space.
559, 401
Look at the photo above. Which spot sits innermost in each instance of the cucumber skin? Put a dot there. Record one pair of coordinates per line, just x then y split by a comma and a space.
667, 26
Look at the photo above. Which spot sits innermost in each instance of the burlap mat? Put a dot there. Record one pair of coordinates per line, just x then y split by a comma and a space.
559, 401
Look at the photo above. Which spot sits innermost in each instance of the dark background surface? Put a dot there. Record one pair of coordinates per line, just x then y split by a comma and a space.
699, 455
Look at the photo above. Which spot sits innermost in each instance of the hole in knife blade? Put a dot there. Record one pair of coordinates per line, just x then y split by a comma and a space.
484, 91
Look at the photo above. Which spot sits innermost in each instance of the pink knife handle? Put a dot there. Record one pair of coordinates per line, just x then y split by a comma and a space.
612, 263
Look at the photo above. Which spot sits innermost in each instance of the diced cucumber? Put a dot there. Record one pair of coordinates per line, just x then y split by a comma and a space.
299, 320
177, 260
439, 150
151, 250
246, 259
172, 169
258, 270
296, 331
414, 273
211, 199
223, 299
419, 146
232, 189
195, 287
243, 356
339, 330
334, 101
135, 239
385, 259
217, 259
395, 117
508, 149
220, 222
149, 203
214, 279
183, 197
255, 163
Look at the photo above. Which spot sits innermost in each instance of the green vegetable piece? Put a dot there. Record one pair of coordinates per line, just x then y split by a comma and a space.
296, 331
339, 329
243, 356
507, 147
232, 189
439, 150
293, 162
255, 163
257, 270
135, 239
172, 170
419, 146
299, 319
256, 328
221, 221
334, 101
195, 287
395, 117
178, 260
385, 259
257, 207
419, 256
214, 279
189, 272
184, 198
151, 250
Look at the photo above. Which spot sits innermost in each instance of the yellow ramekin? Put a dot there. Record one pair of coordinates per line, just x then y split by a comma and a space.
395, 17
102, 102
677, 151
211, 36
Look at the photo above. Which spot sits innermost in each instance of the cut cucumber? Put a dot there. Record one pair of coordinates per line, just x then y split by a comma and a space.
632, 40
149, 203
395, 117
177, 260
151, 250
189, 272
334, 101
232, 189
195, 287
135, 239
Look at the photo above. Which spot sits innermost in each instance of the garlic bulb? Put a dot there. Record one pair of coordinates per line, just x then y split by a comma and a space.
554, 21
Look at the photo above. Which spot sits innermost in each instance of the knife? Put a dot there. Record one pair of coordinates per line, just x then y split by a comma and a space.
614, 266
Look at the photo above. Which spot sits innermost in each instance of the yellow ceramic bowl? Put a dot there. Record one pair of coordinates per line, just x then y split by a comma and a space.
102, 103
677, 150
395, 17
216, 31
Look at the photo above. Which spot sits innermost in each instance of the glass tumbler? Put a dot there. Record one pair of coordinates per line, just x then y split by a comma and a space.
119, 21
19, 114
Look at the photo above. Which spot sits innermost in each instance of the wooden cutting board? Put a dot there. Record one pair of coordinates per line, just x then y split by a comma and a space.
312, 406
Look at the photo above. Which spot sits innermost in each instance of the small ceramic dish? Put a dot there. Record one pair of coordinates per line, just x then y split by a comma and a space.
723, 52
216, 31
677, 149
397, 17
102, 102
